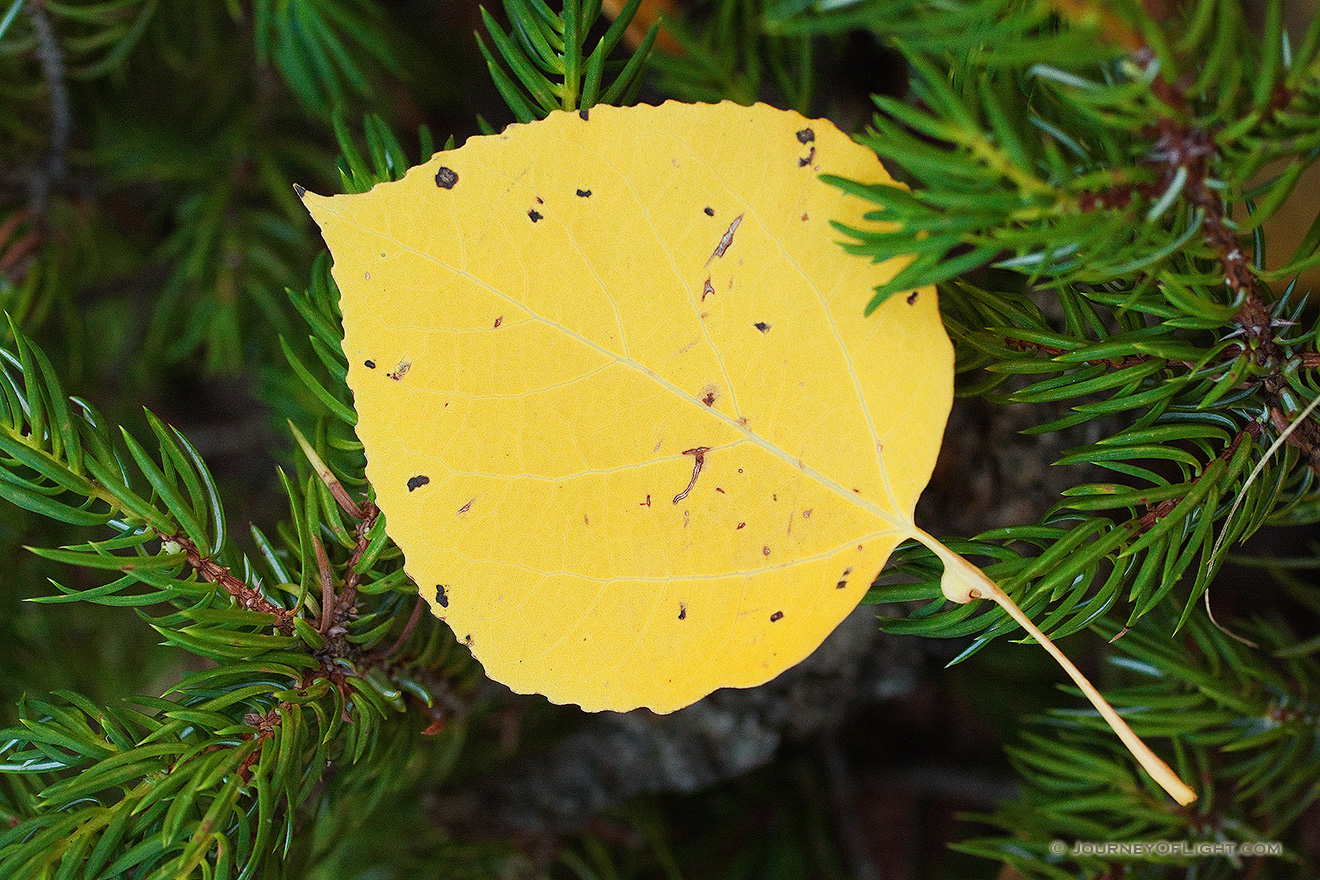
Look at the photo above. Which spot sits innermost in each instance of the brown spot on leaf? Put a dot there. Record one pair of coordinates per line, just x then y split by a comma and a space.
699, 458
765, 551
803, 162
646, 503
441, 597
401, 370
370, 365
806, 514
535, 215
718, 489
682, 611
778, 615
710, 212
762, 326
912, 298
467, 640
466, 507
707, 290
806, 136
445, 178
708, 395
584, 193
418, 482
726, 239
499, 321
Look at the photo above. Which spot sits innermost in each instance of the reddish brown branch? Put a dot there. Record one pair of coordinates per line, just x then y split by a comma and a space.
248, 598
1182, 149
1131, 360
1159, 511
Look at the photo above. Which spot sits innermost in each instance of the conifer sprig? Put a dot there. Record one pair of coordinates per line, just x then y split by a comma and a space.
1242, 732
543, 63
318, 653
1168, 329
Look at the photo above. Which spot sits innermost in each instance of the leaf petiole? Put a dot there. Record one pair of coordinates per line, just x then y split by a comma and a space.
962, 582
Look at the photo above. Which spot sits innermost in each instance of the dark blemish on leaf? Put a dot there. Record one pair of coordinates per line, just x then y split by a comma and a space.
912, 299
806, 514
778, 615
739, 526
540, 201
718, 489
441, 597
843, 579
498, 321
765, 551
811, 155
466, 507
401, 370
806, 136
709, 395
584, 193
699, 459
583, 114
445, 178
762, 326
804, 217
467, 640
840, 585
710, 212
726, 239
707, 290
585, 521
682, 611
646, 503
774, 496
370, 365
299, 190
740, 470
418, 481
535, 215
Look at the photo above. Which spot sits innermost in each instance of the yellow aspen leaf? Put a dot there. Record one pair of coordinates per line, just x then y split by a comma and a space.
620, 403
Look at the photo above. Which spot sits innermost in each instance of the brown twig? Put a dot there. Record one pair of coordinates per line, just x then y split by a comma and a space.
1182, 149
1157, 512
1122, 363
51, 58
248, 598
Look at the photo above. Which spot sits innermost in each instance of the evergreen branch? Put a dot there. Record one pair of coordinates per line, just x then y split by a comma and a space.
1249, 732
736, 52
310, 42
542, 66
